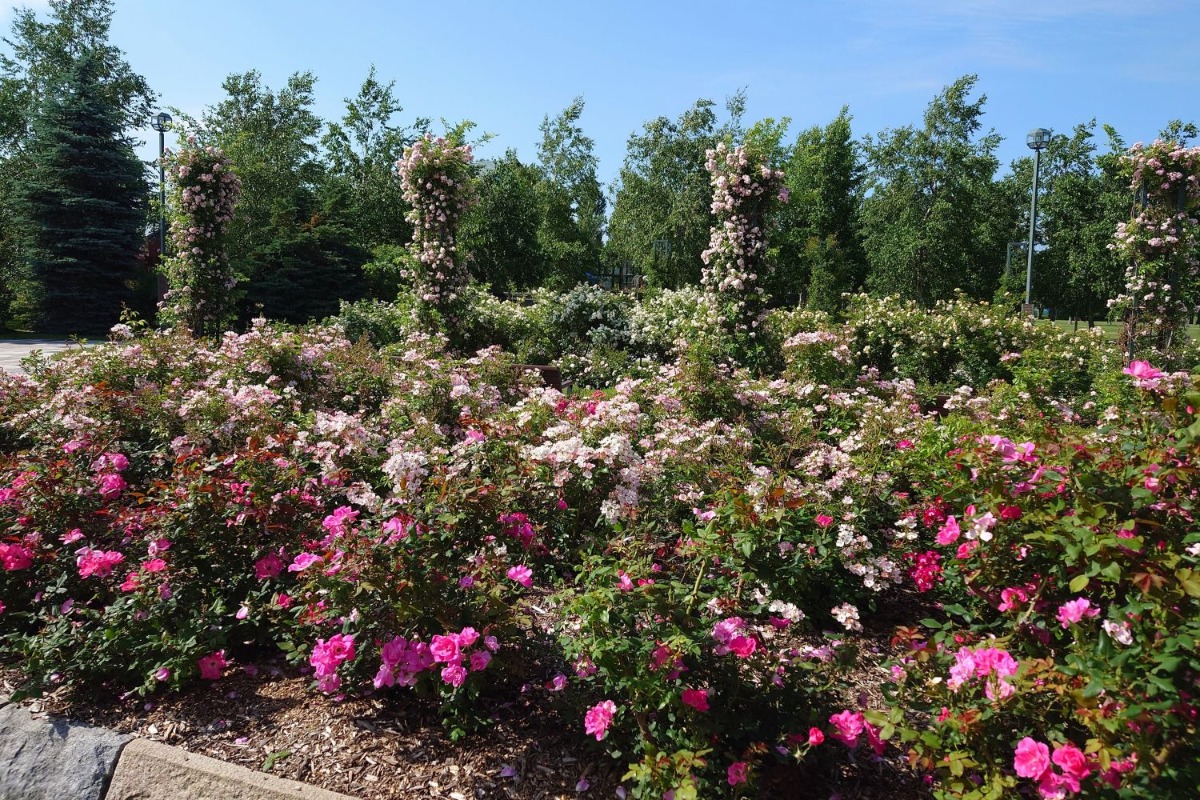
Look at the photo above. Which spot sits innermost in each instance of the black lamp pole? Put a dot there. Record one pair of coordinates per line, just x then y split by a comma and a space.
1037, 139
160, 123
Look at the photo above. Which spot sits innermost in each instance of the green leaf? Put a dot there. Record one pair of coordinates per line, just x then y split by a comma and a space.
269, 762
1078, 583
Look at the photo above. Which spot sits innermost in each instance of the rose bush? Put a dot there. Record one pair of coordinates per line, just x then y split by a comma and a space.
702, 563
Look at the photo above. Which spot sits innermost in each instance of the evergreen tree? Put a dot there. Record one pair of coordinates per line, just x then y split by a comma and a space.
82, 207
39, 52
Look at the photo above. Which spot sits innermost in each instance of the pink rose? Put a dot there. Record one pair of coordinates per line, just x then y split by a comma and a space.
521, 574
445, 649
696, 698
211, 665
743, 646
737, 772
454, 675
1032, 759
268, 566
1072, 761
598, 718
15, 557
849, 726
1074, 611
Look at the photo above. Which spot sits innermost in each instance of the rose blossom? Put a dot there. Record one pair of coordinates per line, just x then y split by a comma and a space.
598, 718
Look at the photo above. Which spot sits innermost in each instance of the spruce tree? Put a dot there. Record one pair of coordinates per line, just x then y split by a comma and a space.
82, 203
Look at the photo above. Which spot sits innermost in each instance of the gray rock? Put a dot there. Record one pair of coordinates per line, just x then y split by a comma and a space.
53, 759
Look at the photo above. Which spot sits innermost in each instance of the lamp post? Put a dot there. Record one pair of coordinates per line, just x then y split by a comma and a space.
160, 122
1036, 140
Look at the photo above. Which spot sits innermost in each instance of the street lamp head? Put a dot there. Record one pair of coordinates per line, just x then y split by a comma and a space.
1037, 138
160, 121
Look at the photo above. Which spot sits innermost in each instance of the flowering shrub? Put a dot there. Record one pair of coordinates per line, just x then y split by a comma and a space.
1072, 605
437, 181
1161, 244
700, 563
204, 191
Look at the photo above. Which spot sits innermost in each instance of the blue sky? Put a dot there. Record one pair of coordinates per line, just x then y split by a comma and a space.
504, 65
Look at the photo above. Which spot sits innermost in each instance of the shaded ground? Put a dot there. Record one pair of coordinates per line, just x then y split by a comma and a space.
393, 745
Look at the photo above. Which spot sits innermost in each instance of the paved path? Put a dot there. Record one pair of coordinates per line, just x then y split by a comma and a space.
13, 350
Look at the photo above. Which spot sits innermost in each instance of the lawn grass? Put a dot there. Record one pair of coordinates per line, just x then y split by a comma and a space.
1112, 330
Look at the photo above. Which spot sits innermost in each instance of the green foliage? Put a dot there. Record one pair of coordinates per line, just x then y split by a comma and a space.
815, 241
928, 218
571, 200
663, 194
500, 233
361, 153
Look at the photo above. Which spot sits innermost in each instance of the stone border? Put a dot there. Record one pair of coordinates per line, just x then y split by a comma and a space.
47, 758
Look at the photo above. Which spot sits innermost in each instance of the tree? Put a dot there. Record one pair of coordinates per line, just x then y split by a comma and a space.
501, 232
291, 243
82, 206
1079, 207
663, 194
926, 217
816, 247
571, 231
362, 151
41, 53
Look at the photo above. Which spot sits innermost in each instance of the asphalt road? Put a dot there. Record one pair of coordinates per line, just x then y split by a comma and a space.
13, 350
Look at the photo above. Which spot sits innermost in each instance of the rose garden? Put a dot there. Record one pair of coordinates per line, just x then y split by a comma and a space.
744, 542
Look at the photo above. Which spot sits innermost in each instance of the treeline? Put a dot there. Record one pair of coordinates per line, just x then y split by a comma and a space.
919, 211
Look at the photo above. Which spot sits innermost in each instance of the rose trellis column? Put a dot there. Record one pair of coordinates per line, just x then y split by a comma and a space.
744, 190
1161, 246
204, 191
438, 186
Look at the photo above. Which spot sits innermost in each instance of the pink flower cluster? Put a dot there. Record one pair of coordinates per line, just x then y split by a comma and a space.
926, 569
992, 665
97, 563
327, 656
455, 649
1033, 760
729, 638
108, 479
598, 719
402, 661
15, 556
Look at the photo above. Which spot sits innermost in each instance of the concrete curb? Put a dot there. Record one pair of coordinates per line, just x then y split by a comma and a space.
149, 770
52, 758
